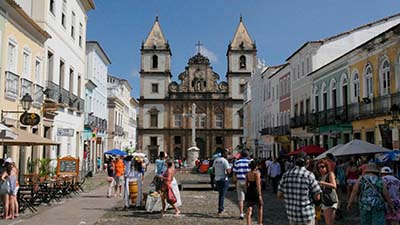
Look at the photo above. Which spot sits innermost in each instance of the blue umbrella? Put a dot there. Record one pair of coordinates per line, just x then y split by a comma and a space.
115, 152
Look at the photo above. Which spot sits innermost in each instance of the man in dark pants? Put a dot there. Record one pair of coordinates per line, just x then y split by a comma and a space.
274, 172
222, 169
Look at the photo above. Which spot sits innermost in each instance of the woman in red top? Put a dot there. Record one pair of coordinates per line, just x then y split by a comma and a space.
352, 174
168, 176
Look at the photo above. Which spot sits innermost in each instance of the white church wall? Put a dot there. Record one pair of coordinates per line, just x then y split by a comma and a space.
146, 115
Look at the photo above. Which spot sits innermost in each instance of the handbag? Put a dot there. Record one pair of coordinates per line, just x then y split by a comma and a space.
3, 187
171, 198
329, 195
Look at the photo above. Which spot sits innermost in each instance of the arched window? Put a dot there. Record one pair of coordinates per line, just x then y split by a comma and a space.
385, 77
332, 87
344, 93
242, 62
154, 60
355, 87
368, 87
324, 99
316, 99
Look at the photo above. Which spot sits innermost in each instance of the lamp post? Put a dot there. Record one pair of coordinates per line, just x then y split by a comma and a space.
26, 102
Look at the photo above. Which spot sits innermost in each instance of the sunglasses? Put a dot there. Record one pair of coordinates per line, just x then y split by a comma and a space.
321, 167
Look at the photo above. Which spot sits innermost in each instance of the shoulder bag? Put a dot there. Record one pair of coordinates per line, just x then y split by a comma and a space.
329, 195
3, 187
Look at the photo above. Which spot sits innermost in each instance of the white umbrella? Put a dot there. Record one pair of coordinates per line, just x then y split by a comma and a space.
359, 147
331, 150
6, 132
138, 154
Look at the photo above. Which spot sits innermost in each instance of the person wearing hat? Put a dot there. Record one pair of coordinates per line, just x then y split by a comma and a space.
393, 187
373, 194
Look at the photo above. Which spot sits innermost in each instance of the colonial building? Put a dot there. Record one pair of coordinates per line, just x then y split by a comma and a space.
164, 104
21, 68
120, 114
312, 56
96, 112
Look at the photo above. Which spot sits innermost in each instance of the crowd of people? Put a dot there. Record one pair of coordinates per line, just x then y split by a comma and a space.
310, 188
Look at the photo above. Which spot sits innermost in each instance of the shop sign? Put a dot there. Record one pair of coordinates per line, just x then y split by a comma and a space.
65, 132
29, 119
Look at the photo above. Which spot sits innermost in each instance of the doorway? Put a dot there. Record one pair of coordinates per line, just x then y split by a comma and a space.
201, 144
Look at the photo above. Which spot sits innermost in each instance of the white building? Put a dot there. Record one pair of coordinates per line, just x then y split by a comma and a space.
96, 112
65, 59
120, 113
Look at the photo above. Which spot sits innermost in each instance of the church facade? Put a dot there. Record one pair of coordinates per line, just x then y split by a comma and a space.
165, 105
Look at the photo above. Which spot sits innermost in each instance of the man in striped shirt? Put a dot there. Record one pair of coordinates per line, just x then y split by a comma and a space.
240, 169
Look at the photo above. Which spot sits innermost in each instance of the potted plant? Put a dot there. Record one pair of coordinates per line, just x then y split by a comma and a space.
44, 168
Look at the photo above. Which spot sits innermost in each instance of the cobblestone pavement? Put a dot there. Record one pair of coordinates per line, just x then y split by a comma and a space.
200, 207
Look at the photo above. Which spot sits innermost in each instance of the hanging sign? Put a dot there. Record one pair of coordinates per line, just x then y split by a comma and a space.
29, 119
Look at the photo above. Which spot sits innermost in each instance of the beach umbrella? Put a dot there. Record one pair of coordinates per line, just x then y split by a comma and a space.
116, 152
359, 147
331, 150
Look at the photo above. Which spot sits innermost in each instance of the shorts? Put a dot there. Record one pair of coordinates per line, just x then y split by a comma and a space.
16, 191
335, 206
351, 182
119, 181
241, 190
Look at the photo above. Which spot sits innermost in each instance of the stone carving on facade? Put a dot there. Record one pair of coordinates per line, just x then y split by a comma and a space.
198, 77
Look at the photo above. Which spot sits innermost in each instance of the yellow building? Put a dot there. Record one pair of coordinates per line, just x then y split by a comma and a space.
22, 63
374, 67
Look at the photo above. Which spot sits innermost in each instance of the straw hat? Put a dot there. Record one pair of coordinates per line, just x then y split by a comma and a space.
372, 168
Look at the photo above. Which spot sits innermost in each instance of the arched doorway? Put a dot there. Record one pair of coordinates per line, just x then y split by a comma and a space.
201, 144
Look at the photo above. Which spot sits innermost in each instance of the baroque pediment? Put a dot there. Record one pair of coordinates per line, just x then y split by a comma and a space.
198, 77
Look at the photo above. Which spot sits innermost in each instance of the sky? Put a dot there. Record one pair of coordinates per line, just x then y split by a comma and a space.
279, 27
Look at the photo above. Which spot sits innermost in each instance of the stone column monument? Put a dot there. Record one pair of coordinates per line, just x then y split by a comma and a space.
193, 151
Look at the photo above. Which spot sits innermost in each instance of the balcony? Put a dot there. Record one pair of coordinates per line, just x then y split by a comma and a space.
26, 87
57, 94
38, 95
93, 122
118, 131
11, 87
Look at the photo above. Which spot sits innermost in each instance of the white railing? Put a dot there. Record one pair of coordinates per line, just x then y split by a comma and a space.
26, 87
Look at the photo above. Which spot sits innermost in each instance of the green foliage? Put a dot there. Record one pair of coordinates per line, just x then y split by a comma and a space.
31, 164
44, 167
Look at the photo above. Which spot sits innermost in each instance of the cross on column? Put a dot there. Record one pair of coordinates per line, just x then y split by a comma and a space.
194, 116
199, 44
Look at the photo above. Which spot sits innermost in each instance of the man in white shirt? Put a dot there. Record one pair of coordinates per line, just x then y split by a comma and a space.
221, 169
274, 172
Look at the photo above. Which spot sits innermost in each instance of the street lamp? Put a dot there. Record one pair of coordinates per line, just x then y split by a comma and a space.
26, 102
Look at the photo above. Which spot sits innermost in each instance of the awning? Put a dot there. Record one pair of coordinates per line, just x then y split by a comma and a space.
25, 138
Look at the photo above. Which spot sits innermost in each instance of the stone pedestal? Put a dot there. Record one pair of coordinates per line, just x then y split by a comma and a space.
193, 154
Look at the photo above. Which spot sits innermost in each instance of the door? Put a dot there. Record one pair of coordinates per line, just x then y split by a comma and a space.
201, 144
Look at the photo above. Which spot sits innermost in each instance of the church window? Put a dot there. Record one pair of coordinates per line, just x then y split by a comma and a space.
153, 117
177, 120
154, 62
154, 88
241, 88
385, 78
219, 140
219, 120
242, 62
200, 122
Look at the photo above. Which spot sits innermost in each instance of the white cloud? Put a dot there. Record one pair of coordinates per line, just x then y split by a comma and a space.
210, 54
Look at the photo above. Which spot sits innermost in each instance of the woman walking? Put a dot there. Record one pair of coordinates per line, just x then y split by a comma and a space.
166, 189
253, 194
373, 194
393, 187
352, 174
327, 181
